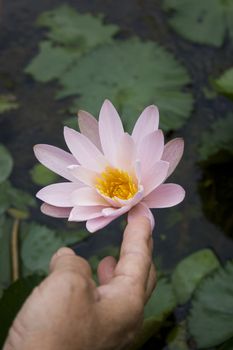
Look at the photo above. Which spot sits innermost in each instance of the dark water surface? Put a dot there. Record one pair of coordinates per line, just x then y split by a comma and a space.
38, 120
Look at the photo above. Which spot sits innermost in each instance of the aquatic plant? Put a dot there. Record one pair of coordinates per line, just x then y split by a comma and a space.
110, 171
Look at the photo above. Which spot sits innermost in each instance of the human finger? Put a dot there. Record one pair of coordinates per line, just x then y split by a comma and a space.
66, 260
135, 256
106, 269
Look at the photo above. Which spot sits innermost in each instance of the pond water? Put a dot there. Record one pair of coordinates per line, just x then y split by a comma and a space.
39, 119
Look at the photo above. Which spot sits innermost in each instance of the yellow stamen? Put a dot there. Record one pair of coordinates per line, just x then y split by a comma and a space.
115, 182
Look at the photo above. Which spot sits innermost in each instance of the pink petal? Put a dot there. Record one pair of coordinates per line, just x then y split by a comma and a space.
141, 210
80, 213
147, 122
84, 175
89, 127
166, 195
55, 212
84, 150
87, 196
98, 223
150, 150
173, 152
126, 153
110, 130
155, 176
55, 159
115, 212
59, 194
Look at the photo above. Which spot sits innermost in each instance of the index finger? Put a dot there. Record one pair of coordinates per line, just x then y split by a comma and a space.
135, 256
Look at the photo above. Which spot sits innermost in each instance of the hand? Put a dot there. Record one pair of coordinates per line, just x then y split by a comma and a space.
68, 312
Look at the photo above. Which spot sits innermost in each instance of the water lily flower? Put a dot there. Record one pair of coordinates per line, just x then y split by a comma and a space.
110, 172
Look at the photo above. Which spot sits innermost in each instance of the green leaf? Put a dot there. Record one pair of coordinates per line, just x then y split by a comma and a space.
38, 246
155, 77
51, 62
7, 103
160, 305
218, 137
68, 27
43, 176
210, 320
224, 84
6, 163
5, 254
12, 300
190, 271
204, 22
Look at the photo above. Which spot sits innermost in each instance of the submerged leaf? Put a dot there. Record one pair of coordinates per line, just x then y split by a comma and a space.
42, 176
205, 22
224, 84
51, 62
38, 246
155, 77
219, 137
7, 103
210, 320
68, 27
190, 271
6, 163
161, 304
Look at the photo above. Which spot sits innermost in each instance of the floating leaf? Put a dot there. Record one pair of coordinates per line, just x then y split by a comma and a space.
219, 137
155, 77
224, 84
12, 300
68, 27
42, 176
210, 320
160, 305
5, 260
190, 271
6, 163
7, 103
38, 246
204, 22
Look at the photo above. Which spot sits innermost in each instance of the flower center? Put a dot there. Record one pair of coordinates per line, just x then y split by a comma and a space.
115, 182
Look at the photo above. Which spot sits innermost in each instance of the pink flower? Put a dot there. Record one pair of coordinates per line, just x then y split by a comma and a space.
111, 172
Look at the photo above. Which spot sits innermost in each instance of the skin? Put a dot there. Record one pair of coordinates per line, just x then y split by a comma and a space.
67, 311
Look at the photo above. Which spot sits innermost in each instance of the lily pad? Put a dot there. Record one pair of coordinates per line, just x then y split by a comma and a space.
7, 103
68, 27
204, 22
190, 271
218, 137
42, 176
12, 300
38, 246
224, 84
155, 77
6, 163
210, 320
